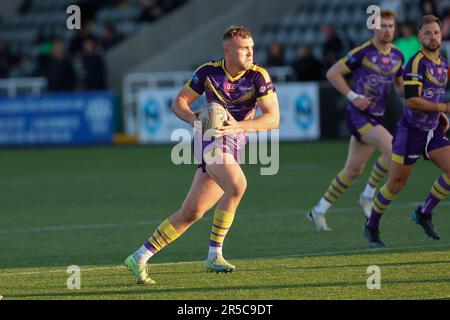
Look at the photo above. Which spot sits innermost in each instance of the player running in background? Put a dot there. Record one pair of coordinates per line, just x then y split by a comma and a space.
421, 131
374, 66
240, 87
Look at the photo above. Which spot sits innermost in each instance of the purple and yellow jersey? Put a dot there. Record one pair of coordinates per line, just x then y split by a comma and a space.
373, 72
237, 94
430, 75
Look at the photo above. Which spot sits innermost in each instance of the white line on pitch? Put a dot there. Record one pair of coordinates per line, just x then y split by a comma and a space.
150, 222
303, 255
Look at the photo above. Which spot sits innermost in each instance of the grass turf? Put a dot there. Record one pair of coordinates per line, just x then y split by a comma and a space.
91, 207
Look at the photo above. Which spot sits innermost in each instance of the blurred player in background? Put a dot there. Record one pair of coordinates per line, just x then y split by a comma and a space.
421, 131
374, 66
240, 87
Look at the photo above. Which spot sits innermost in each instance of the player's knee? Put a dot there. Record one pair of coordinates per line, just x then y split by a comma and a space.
387, 157
396, 184
192, 214
354, 172
238, 187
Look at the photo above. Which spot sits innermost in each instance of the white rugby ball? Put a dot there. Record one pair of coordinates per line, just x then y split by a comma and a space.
213, 116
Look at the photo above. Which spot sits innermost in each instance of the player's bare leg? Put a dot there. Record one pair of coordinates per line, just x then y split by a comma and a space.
439, 191
381, 139
202, 196
231, 179
398, 176
441, 158
358, 154
229, 176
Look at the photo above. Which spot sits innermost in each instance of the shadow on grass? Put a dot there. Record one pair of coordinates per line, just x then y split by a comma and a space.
374, 253
392, 264
154, 290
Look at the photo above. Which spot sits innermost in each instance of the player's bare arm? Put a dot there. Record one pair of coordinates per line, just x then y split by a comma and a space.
422, 105
399, 86
180, 106
336, 77
268, 120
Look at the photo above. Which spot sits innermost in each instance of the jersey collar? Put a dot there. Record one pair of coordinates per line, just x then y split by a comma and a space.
229, 76
433, 59
385, 52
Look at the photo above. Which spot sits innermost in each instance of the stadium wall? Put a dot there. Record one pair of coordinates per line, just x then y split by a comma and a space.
9, 7
189, 36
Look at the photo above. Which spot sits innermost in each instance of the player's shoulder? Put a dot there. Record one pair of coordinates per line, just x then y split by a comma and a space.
416, 61
367, 45
260, 71
256, 67
210, 65
444, 62
396, 50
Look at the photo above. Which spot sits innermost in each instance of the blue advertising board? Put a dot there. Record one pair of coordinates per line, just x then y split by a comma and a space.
299, 109
57, 119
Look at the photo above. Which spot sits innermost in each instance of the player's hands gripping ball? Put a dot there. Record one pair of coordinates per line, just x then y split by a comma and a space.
213, 117
230, 126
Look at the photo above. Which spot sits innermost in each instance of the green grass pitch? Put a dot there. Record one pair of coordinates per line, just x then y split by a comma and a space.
91, 207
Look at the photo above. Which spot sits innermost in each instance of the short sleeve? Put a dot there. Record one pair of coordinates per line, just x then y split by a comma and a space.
413, 74
196, 82
401, 70
352, 60
263, 84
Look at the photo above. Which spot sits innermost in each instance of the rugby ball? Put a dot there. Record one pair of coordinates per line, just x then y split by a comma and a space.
213, 116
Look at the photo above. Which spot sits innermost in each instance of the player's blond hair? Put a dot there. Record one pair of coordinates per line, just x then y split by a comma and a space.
427, 20
388, 14
237, 31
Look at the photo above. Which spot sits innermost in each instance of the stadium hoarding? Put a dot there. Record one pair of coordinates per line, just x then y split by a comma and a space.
155, 118
57, 119
299, 111
299, 107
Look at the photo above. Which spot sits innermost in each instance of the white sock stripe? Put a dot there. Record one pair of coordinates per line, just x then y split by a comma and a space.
322, 206
142, 254
369, 191
213, 251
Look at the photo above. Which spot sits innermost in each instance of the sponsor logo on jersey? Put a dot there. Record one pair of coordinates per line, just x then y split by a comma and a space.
414, 75
429, 93
229, 87
374, 79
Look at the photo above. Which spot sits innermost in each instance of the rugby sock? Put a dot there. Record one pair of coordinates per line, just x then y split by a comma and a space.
221, 224
162, 236
142, 254
439, 191
379, 170
213, 251
382, 199
338, 186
